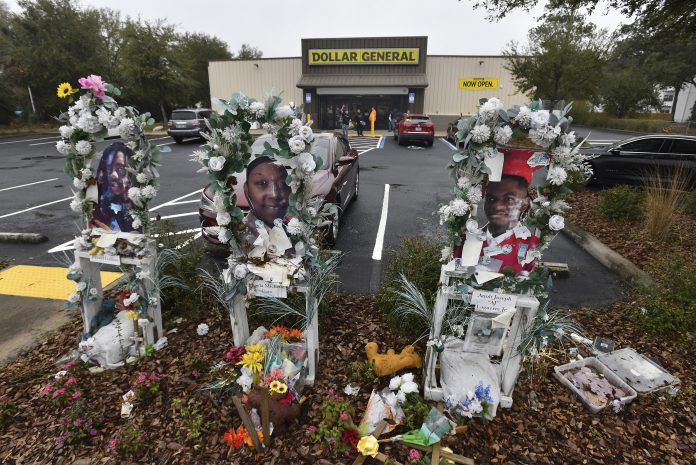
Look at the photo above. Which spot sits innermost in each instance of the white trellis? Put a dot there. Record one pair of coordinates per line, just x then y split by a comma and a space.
469, 368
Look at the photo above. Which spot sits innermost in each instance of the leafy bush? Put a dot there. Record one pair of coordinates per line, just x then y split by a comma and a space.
7, 410
669, 307
195, 423
418, 259
363, 371
126, 441
622, 203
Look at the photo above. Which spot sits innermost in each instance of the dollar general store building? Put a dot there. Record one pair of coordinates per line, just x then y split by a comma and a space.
389, 73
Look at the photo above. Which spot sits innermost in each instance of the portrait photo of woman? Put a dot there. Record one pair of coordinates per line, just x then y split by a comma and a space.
266, 192
112, 211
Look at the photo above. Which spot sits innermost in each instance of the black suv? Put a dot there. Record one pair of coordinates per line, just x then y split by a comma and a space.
634, 160
188, 122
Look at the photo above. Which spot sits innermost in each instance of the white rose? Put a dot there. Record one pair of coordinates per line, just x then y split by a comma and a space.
79, 183
223, 218
141, 178
63, 147
295, 125
216, 163
306, 133
297, 144
408, 387
394, 383
305, 162
284, 111
240, 271
556, 223
540, 119
408, 377
502, 135
66, 131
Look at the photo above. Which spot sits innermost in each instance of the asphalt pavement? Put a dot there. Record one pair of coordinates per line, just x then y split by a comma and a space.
35, 196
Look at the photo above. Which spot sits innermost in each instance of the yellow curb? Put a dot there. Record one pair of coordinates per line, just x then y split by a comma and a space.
45, 282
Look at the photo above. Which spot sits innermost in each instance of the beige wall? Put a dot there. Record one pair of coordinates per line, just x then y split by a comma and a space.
277, 75
443, 96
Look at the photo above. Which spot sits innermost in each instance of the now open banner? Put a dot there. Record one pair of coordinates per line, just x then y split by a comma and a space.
478, 83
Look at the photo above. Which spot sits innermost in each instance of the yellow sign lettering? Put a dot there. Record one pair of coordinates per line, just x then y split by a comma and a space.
364, 56
478, 83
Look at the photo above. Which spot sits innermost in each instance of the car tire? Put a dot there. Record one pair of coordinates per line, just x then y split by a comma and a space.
357, 186
400, 140
334, 230
178, 139
429, 143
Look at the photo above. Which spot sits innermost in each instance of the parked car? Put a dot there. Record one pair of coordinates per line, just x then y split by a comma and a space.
337, 181
412, 127
634, 160
188, 122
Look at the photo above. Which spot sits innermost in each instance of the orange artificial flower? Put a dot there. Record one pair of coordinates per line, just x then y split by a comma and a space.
294, 335
247, 437
276, 330
235, 438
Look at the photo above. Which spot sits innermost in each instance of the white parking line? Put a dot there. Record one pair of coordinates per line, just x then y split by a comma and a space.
446, 142
158, 138
34, 208
25, 185
29, 140
64, 247
179, 215
168, 143
43, 143
174, 202
379, 242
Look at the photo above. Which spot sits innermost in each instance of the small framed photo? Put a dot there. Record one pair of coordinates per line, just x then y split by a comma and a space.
483, 336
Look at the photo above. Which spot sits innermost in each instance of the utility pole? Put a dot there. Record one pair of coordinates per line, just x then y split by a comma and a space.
31, 97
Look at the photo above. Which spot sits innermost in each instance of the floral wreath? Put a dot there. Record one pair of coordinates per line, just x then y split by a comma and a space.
87, 122
484, 135
228, 152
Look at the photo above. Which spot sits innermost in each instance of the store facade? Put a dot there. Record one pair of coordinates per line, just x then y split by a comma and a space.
391, 74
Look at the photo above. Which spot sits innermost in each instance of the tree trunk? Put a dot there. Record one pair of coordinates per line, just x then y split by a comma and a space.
677, 88
164, 115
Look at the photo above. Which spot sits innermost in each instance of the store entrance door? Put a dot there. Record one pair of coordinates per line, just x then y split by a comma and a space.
330, 108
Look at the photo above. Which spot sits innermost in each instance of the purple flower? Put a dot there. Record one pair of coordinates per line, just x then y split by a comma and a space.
93, 432
78, 422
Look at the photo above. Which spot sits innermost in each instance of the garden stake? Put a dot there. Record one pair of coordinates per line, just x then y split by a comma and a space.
265, 419
246, 421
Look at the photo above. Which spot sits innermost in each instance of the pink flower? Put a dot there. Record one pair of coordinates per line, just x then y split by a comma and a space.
69, 364
113, 443
141, 378
71, 381
195, 373
78, 422
414, 455
95, 84
76, 395
93, 432
343, 416
47, 389
311, 429
154, 377
59, 392
245, 398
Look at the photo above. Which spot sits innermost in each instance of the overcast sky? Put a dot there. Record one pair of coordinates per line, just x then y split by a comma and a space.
276, 26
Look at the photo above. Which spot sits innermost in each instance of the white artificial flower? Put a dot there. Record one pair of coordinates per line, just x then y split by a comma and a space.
93, 292
401, 397
556, 223
202, 329
89, 123
351, 390
240, 271
524, 117
81, 286
125, 129
305, 162
476, 406
295, 126
73, 298
474, 194
492, 105
408, 387
284, 111
103, 115
131, 144
258, 108
458, 330
472, 226
148, 192
79, 183
120, 113
407, 378
231, 134
76, 204
297, 144
246, 379
130, 300
141, 178
223, 218
83, 147
135, 194
86, 173
544, 136
136, 223
540, 119
143, 274
445, 211
556, 175
568, 139
138, 155
216, 163
391, 400
459, 207
63, 147
312, 211
395, 383
306, 133
463, 183
224, 235
480, 133
502, 135
199, 155
66, 131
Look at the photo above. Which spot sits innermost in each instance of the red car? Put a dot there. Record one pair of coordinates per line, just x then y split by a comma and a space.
412, 127
337, 181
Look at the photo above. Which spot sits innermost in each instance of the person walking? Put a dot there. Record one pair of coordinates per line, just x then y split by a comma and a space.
390, 121
373, 118
345, 120
359, 122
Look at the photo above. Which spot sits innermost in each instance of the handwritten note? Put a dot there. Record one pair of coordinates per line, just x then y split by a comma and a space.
492, 302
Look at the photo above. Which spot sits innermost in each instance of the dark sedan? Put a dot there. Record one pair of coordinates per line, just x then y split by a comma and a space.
337, 181
634, 160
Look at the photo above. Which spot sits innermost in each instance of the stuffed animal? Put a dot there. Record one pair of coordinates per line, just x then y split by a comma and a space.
279, 414
108, 345
390, 363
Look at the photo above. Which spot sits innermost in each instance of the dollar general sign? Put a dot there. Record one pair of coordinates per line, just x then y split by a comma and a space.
478, 83
364, 56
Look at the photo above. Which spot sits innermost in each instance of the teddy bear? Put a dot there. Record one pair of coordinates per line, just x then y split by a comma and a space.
390, 363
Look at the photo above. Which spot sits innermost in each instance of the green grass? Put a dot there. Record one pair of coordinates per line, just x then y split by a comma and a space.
622, 203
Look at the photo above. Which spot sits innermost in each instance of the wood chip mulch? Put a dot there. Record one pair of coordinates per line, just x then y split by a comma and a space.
653, 429
629, 238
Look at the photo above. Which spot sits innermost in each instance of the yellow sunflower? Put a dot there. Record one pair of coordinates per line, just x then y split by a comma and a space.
278, 386
65, 90
253, 361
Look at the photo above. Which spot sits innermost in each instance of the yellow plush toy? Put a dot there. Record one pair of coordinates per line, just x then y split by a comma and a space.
391, 362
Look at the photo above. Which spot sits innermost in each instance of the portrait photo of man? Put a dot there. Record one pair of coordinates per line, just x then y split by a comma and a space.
504, 203
112, 211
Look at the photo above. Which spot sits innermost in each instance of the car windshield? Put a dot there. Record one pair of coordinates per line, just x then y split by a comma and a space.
417, 119
320, 148
183, 115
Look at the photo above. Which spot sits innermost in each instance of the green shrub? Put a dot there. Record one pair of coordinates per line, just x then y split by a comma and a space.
668, 308
690, 203
419, 260
622, 203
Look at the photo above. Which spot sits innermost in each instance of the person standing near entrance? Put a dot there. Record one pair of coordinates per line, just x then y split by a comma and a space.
345, 120
373, 118
359, 122
390, 121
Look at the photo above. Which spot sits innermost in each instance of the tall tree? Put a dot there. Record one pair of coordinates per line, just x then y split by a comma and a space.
7, 99
195, 51
247, 52
563, 60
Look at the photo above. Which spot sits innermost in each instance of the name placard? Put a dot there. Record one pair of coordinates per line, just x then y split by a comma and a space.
492, 302
106, 259
267, 289
478, 83
364, 56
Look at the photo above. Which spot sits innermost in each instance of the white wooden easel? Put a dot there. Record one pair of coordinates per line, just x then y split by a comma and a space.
240, 331
153, 330
507, 370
